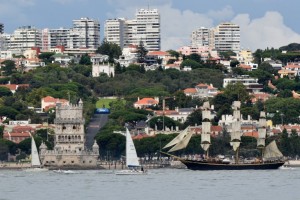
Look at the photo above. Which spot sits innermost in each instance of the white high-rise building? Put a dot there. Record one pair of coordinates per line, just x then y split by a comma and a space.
148, 28
25, 37
227, 37
84, 34
145, 27
201, 37
114, 31
52, 38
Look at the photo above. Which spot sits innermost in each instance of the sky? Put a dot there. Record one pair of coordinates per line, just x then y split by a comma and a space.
264, 23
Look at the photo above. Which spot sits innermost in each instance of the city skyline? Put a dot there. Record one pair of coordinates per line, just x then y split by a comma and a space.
263, 23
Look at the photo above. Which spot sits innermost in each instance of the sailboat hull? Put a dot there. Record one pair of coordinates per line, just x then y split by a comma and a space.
202, 165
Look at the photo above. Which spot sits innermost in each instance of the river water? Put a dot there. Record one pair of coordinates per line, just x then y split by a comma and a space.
165, 184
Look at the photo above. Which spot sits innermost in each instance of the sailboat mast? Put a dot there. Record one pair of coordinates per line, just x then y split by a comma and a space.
235, 136
262, 133
206, 126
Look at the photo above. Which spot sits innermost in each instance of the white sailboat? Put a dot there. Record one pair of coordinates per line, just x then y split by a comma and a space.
132, 160
35, 159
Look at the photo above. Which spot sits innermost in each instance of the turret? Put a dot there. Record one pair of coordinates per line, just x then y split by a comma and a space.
95, 148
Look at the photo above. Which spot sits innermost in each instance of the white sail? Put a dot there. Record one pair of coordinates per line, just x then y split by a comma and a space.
235, 145
205, 141
35, 160
178, 138
272, 152
183, 143
261, 142
131, 155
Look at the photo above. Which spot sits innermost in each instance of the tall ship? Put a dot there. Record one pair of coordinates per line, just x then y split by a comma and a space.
271, 157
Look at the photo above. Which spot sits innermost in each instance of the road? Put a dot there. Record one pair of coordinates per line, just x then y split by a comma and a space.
96, 123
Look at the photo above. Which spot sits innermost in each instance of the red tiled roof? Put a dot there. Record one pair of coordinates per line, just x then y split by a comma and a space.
22, 129
167, 112
203, 85
276, 131
53, 100
212, 129
140, 136
291, 66
245, 66
147, 101
251, 134
190, 90
9, 86
260, 96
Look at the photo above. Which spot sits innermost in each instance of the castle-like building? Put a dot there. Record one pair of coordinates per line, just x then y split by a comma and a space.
69, 149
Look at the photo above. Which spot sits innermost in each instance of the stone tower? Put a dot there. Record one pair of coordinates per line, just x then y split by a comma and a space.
69, 151
69, 127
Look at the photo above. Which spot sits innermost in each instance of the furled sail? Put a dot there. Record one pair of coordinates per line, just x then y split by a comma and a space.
178, 138
262, 131
205, 141
183, 143
235, 145
272, 152
235, 140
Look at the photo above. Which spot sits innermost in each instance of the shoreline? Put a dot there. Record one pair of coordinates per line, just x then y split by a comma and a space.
102, 166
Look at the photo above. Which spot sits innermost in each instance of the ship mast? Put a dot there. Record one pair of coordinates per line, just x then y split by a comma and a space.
206, 126
262, 132
235, 136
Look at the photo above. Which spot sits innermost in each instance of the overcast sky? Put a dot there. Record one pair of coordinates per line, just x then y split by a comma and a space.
264, 23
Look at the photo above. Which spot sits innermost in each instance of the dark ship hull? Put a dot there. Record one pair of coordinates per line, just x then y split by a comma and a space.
204, 165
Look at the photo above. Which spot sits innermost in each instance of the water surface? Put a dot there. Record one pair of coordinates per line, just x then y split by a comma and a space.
165, 184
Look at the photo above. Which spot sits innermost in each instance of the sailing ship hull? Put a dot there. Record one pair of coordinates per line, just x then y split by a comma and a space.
201, 165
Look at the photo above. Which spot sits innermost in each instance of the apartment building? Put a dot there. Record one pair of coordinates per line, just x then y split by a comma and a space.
201, 37
227, 37
52, 38
84, 34
145, 27
114, 31
250, 83
25, 37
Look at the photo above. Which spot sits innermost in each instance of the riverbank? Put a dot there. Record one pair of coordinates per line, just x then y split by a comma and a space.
12, 165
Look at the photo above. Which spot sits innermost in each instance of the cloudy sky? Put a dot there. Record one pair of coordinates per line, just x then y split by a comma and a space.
264, 23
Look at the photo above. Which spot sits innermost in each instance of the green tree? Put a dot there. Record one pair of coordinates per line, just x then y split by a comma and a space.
237, 92
227, 54
111, 49
194, 118
85, 60
46, 57
195, 57
174, 54
4, 91
191, 63
234, 63
9, 67
141, 52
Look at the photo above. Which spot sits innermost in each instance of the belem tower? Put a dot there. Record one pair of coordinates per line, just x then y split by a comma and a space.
69, 143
